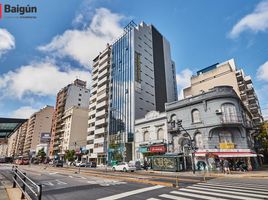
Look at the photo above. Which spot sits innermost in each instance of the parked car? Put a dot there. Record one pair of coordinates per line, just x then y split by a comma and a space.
91, 164
124, 166
25, 162
58, 163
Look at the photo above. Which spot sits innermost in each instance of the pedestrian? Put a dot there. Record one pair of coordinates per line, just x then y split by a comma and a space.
226, 167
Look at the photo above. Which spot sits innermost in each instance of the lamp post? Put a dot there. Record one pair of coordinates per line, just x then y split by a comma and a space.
186, 134
124, 135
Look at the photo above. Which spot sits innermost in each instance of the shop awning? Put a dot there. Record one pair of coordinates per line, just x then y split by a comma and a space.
227, 154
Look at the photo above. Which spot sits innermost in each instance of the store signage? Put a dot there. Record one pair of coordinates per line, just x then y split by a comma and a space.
143, 149
159, 149
227, 146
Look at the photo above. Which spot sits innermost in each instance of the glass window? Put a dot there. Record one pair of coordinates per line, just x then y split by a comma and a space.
160, 134
199, 141
229, 112
146, 136
225, 137
196, 116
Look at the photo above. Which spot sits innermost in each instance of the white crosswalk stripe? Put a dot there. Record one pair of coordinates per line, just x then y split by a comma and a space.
218, 190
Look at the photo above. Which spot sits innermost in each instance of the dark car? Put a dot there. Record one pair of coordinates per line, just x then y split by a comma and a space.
91, 164
58, 163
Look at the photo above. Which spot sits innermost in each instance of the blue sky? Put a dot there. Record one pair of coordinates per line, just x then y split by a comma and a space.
40, 56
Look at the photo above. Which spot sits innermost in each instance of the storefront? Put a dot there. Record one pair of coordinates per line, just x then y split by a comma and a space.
211, 159
148, 151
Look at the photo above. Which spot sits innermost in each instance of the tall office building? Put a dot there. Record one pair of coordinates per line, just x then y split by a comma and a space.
226, 73
75, 94
131, 77
40, 122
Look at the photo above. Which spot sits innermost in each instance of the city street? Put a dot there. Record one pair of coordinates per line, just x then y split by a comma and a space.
66, 183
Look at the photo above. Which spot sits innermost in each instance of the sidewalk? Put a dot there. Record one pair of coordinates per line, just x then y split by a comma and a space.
6, 190
3, 191
261, 173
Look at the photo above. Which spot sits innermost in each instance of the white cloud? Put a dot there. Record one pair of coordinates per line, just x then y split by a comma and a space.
41, 79
262, 72
256, 21
7, 41
183, 81
23, 112
84, 45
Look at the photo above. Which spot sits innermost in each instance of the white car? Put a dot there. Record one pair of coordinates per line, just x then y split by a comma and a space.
124, 167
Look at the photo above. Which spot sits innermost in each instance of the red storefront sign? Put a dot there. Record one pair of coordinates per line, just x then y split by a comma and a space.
158, 149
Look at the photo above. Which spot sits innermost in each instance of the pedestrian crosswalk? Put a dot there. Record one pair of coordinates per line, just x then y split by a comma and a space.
217, 190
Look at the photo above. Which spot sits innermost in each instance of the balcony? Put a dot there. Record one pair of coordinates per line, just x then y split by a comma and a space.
100, 113
92, 128
102, 88
91, 120
90, 137
100, 121
102, 104
99, 150
100, 131
103, 66
231, 119
99, 140
103, 73
103, 80
89, 146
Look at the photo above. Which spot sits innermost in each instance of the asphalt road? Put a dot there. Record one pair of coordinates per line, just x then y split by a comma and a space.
67, 184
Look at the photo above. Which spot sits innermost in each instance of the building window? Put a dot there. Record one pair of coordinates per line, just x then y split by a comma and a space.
146, 136
229, 112
225, 137
160, 134
137, 67
199, 141
80, 95
196, 116
79, 99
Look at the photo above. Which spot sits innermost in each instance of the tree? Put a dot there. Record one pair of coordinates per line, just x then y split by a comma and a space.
262, 140
69, 155
41, 154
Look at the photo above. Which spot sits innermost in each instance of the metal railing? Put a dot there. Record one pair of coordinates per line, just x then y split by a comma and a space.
30, 190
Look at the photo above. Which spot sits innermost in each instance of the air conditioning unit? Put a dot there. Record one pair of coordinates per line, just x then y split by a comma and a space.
218, 111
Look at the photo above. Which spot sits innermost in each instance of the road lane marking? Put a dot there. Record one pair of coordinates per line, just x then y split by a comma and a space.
53, 173
60, 182
236, 186
153, 199
246, 190
244, 184
133, 192
229, 191
213, 192
168, 196
195, 195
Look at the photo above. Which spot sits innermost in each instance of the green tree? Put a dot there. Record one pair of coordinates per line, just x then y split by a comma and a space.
262, 140
69, 155
41, 154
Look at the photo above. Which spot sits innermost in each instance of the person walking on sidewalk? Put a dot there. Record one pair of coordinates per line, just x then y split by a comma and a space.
226, 167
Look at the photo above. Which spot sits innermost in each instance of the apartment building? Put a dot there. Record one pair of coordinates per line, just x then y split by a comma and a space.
3, 148
21, 136
11, 146
132, 77
74, 129
40, 122
226, 73
74, 94
98, 107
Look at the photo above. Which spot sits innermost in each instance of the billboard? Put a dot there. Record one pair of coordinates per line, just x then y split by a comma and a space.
45, 137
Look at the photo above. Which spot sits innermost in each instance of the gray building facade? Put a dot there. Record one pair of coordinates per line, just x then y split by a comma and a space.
218, 123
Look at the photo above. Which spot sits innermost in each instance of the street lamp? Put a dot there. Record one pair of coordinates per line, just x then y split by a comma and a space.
122, 133
186, 134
